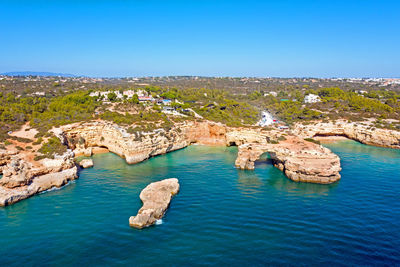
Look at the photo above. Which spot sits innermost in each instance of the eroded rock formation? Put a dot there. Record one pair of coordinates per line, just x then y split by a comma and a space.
22, 179
299, 160
156, 198
138, 147
362, 132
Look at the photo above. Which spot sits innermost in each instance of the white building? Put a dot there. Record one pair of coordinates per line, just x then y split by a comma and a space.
266, 119
104, 94
274, 94
311, 98
129, 93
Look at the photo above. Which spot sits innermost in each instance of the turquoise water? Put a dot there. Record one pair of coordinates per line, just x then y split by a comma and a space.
221, 216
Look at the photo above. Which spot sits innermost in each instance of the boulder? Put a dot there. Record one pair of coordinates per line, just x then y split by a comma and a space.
16, 173
86, 163
156, 198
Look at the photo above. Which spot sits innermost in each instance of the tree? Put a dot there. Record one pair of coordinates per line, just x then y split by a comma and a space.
112, 96
134, 99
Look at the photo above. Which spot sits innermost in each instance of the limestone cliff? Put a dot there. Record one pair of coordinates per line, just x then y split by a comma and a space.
300, 160
362, 132
22, 179
135, 147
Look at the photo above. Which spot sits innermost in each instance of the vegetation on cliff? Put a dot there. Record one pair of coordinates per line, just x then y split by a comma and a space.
55, 103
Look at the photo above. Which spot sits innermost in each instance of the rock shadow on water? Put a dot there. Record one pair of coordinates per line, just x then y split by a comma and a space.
251, 183
284, 184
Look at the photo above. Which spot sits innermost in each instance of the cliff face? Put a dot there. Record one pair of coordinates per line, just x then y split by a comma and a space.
361, 132
22, 179
134, 147
300, 160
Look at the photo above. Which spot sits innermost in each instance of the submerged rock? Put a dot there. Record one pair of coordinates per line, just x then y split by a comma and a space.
156, 198
86, 163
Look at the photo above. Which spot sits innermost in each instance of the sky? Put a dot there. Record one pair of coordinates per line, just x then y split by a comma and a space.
202, 38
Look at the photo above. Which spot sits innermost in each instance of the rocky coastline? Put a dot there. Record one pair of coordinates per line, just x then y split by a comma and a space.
362, 132
22, 179
299, 159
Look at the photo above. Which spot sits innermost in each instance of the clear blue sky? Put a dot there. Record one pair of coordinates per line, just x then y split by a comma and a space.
211, 38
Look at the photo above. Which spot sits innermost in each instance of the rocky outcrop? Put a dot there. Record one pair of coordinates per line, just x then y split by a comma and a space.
22, 179
16, 173
134, 147
140, 146
86, 163
362, 132
5, 158
300, 161
156, 198
39, 184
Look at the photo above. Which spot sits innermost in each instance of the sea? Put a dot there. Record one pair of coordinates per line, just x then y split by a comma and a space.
222, 216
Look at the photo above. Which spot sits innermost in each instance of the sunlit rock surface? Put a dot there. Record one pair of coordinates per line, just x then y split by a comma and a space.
156, 198
363, 132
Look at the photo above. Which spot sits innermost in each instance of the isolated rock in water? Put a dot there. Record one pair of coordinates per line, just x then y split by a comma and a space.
86, 163
156, 198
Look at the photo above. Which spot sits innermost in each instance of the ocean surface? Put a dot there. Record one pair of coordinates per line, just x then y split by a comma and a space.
222, 216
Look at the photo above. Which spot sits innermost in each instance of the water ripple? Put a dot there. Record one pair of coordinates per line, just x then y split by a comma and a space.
222, 216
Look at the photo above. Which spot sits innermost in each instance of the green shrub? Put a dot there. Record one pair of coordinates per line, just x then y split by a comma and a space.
312, 141
38, 141
52, 147
21, 139
281, 138
39, 157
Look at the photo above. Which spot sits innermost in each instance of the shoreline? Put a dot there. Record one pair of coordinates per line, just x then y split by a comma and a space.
299, 159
